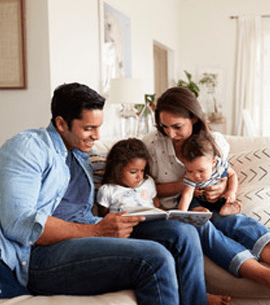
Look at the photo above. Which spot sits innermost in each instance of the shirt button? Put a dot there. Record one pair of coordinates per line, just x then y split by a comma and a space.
30, 243
57, 199
24, 263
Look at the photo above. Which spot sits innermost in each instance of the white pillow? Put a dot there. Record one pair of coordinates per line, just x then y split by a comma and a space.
253, 170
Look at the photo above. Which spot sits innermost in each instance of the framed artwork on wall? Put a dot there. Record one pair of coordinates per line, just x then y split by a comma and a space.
115, 45
12, 45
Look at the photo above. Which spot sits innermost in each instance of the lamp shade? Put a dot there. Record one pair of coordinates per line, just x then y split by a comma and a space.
126, 91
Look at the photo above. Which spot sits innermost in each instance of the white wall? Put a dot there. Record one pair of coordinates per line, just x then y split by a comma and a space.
28, 108
63, 46
208, 38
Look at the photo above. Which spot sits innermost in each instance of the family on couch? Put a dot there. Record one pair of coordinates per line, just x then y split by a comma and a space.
51, 243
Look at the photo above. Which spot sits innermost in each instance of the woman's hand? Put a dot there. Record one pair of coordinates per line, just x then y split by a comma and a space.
214, 192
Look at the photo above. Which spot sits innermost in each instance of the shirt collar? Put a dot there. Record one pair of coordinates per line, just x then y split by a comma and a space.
59, 144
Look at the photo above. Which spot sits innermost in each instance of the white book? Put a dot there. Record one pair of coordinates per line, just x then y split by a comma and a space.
153, 213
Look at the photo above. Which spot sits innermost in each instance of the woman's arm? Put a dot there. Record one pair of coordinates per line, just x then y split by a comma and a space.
214, 192
232, 186
170, 188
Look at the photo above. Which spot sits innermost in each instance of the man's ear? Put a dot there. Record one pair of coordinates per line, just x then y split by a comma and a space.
61, 124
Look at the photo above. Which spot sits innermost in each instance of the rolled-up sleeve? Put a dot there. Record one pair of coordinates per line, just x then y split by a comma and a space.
21, 167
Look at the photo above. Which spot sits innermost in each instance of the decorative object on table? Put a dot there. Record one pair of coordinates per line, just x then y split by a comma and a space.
146, 114
210, 80
128, 92
191, 85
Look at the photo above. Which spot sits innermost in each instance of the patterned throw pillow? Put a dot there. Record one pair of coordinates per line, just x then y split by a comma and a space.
98, 161
253, 170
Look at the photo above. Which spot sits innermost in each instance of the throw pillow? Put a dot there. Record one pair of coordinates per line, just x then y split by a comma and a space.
253, 170
98, 162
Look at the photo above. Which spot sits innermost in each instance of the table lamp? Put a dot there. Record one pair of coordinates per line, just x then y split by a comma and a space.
128, 92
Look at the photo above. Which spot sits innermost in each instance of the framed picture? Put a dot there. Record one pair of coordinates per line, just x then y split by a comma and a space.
115, 45
12, 45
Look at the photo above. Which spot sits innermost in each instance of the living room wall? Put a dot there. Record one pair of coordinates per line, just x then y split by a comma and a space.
208, 39
63, 46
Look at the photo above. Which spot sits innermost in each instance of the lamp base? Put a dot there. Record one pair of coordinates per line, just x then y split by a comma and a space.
129, 121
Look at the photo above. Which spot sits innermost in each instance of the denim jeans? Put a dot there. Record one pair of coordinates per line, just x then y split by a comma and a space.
247, 231
91, 266
230, 240
183, 242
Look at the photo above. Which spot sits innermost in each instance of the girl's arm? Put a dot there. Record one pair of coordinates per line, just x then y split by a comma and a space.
187, 195
156, 202
102, 211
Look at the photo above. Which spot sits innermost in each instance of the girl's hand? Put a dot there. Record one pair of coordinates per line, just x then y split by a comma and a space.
215, 192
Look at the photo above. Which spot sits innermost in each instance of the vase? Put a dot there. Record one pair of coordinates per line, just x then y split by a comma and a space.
146, 120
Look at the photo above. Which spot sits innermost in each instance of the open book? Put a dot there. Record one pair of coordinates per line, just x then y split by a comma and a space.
153, 213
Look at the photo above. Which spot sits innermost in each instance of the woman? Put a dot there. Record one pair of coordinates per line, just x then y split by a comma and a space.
179, 115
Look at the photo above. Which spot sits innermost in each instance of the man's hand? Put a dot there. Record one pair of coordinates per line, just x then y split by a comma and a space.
215, 192
112, 225
116, 225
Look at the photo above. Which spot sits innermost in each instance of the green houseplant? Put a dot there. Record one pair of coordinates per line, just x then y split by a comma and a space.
189, 84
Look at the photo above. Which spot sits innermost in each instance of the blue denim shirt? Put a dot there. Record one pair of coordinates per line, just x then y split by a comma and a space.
33, 179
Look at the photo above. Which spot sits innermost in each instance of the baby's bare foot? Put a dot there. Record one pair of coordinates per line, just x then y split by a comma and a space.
231, 208
200, 209
213, 299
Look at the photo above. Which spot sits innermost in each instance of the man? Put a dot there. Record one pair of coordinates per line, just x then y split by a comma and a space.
49, 237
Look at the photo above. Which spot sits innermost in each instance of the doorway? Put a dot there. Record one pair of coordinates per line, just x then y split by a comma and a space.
160, 69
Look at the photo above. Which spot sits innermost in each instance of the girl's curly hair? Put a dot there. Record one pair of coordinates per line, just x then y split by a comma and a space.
120, 155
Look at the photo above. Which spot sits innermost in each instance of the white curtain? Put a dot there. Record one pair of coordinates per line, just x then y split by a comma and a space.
248, 72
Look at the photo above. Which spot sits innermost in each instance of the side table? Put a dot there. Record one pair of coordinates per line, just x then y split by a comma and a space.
217, 124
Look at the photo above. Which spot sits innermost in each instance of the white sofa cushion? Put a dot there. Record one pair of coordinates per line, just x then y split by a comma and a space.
252, 164
126, 297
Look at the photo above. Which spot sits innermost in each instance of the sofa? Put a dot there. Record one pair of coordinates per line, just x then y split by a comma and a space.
250, 157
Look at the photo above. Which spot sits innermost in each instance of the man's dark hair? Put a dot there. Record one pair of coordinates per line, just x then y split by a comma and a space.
69, 100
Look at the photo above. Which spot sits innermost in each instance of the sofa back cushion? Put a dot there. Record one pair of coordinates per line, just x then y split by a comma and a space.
250, 158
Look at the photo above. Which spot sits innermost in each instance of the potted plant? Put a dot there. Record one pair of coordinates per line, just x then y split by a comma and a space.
191, 85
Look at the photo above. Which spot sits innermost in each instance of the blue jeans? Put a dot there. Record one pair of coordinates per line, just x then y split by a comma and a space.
245, 237
183, 242
247, 231
90, 266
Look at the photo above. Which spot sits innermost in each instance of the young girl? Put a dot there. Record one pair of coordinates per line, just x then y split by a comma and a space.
204, 168
126, 181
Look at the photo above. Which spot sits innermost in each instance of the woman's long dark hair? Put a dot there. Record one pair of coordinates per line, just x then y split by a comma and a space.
120, 155
181, 101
